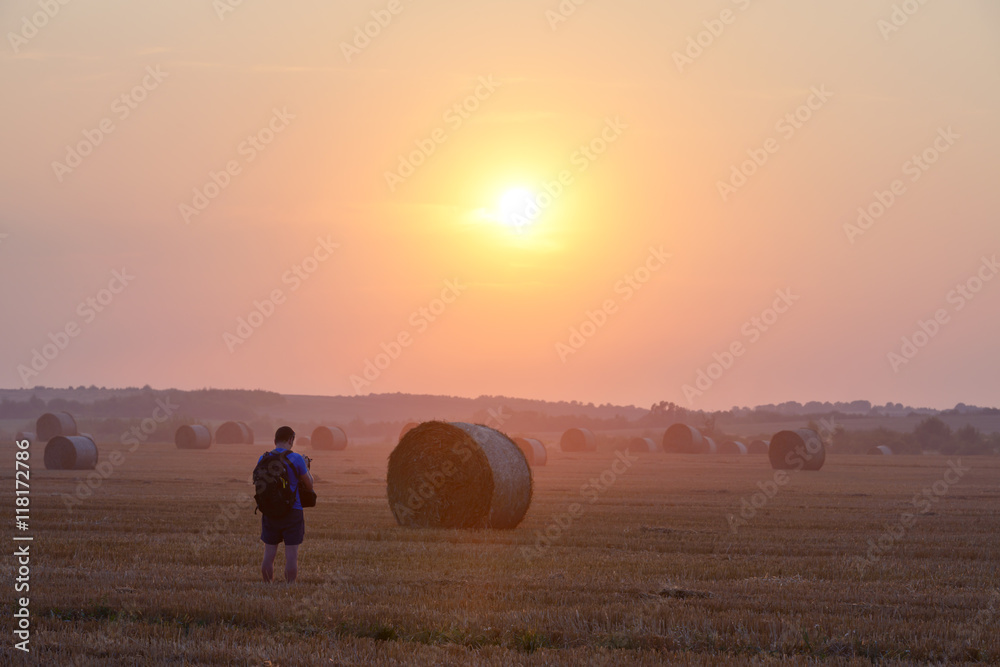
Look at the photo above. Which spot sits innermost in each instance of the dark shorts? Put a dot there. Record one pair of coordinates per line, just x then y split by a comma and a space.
290, 529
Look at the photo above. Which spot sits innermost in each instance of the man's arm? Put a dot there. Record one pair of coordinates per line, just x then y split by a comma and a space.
305, 478
306, 481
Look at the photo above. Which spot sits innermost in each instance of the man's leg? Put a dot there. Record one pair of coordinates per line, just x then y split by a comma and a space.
267, 566
291, 563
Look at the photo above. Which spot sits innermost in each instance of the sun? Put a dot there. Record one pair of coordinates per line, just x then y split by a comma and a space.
518, 207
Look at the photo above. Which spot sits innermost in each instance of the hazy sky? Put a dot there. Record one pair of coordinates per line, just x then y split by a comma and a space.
695, 165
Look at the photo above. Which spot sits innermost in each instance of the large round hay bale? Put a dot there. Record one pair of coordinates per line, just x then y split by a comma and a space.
642, 445
73, 452
52, 424
533, 450
758, 447
578, 440
801, 449
732, 448
409, 426
24, 435
458, 475
194, 436
234, 433
710, 446
303, 441
684, 439
329, 437
880, 450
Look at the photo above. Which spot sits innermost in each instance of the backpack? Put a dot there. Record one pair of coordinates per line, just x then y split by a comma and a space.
274, 494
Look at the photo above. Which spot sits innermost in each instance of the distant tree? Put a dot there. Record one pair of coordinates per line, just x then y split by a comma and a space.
708, 423
933, 434
968, 434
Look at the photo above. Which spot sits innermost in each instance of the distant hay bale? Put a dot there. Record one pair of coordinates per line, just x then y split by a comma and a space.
73, 452
880, 450
303, 441
758, 447
407, 428
234, 433
710, 446
329, 437
24, 435
458, 475
684, 439
52, 424
194, 436
578, 440
732, 448
641, 445
533, 450
801, 449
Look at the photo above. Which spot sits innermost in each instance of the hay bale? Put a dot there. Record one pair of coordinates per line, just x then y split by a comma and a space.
642, 445
52, 424
234, 433
194, 436
801, 449
407, 428
329, 437
578, 440
758, 447
710, 446
24, 435
732, 448
533, 450
72, 452
684, 439
302, 441
458, 475
880, 450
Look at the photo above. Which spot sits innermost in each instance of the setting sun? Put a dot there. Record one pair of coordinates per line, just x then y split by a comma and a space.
518, 207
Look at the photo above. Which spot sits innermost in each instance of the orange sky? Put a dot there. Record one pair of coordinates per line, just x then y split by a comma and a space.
616, 122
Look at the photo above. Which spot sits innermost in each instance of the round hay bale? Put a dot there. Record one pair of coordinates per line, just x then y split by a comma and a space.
303, 441
458, 475
72, 452
732, 448
710, 446
758, 447
578, 440
533, 450
234, 433
52, 424
880, 450
329, 437
642, 445
194, 436
801, 449
407, 428
24, 435
684, 439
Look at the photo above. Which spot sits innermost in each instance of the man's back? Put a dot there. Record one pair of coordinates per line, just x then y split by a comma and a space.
296, 467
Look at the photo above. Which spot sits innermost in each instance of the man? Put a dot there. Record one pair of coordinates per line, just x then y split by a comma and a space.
291, 528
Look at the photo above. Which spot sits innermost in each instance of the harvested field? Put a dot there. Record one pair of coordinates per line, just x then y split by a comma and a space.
664, 565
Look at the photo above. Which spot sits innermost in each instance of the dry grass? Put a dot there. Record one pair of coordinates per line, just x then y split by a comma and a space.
650, 572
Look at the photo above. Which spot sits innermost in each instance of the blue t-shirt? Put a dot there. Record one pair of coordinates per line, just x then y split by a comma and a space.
298, 465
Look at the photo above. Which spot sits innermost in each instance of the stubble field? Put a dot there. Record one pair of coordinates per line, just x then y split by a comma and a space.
682, 559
